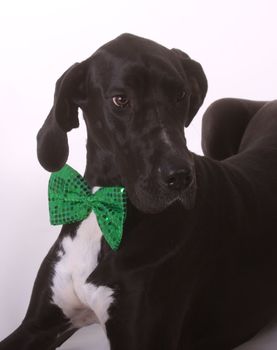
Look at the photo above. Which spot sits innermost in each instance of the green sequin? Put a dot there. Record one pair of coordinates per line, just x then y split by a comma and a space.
71, 200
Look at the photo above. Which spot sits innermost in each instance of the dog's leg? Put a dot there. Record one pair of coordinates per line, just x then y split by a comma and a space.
27, 337
45, 326
62, 301
224, 124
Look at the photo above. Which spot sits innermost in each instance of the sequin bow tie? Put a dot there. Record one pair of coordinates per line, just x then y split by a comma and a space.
71, 200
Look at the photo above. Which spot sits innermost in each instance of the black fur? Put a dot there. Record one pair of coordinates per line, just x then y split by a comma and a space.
197, 266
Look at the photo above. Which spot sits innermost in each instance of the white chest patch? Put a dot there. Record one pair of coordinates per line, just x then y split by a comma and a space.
83, 303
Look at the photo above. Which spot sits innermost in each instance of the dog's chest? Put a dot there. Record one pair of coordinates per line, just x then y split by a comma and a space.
83, 303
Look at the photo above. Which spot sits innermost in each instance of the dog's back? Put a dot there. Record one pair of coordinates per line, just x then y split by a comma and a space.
246, 201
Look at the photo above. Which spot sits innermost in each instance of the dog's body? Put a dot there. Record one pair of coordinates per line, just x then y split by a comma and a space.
196, 267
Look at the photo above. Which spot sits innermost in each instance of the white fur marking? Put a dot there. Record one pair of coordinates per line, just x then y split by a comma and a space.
83, 303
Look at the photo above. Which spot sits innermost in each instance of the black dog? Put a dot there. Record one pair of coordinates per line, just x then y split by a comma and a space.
197, 265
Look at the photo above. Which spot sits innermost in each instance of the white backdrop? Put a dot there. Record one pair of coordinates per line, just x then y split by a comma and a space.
235, 41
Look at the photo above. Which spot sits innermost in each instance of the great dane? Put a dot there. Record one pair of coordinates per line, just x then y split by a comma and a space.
197, 266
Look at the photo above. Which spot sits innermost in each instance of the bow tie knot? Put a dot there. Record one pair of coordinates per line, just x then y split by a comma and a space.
71, 200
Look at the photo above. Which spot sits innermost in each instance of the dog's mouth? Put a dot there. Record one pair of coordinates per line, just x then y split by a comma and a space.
153, 199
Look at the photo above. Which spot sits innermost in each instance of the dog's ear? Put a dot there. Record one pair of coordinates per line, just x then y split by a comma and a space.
198, 83
70, 93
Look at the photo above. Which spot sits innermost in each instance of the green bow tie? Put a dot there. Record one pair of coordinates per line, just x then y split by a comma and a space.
71, 200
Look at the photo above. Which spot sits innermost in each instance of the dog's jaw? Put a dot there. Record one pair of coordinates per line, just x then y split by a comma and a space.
157, 201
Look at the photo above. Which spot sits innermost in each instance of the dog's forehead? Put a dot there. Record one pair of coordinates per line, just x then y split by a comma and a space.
131, 46
132, 59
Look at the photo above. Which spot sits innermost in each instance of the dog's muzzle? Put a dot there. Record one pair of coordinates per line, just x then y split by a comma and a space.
180, 184
171, 182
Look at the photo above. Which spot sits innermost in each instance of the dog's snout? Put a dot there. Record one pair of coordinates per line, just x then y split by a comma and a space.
178, 179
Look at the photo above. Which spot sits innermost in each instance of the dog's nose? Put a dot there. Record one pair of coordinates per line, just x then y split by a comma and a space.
178, 179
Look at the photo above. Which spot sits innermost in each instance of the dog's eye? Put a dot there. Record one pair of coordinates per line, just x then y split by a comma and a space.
181, 96
120, 101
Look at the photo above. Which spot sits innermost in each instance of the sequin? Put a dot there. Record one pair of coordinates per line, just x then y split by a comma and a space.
71, 200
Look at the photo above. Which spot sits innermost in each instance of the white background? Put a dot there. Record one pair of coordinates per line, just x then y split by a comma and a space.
235, 41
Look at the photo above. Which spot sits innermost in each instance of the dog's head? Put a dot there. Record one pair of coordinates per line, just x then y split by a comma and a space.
136, 97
